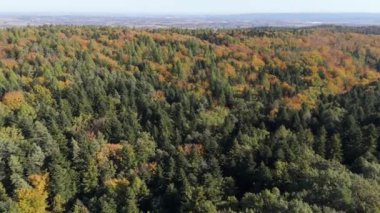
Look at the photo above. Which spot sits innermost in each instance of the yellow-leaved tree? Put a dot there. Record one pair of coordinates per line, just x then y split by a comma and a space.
33, 199
13, 99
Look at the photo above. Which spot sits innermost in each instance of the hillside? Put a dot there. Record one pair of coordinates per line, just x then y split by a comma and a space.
101, 119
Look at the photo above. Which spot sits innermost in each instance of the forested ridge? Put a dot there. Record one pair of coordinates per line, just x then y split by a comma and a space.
101, 119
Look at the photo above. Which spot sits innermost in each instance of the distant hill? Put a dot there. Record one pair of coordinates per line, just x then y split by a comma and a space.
195, 21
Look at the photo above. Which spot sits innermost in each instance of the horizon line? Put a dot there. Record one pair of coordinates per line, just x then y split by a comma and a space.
45, 13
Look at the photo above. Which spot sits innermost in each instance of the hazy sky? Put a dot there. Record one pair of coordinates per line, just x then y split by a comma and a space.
188, 6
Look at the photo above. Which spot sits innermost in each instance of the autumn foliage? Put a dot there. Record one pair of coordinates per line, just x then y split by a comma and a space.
111, 119
33, 199
13, 99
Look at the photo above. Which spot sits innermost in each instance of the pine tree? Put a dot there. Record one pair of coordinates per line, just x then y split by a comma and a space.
107, 204
5, 200
90, 177
16, 175
352, 143
320, 143
79, 207
370, 142
335, 148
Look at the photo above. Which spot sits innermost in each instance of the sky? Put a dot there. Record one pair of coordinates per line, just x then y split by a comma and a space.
132, 7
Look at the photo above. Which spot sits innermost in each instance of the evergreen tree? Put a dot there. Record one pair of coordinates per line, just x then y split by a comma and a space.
320, 143
352, 143
335, 148
90, 177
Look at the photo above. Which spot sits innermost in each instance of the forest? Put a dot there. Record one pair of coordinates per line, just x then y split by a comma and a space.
112, 119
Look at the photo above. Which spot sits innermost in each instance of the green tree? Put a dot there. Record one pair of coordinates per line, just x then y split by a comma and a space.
352, 143
90, 177
335, 148
320, 143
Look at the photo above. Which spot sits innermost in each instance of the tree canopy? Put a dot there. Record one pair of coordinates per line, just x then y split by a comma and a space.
101, 119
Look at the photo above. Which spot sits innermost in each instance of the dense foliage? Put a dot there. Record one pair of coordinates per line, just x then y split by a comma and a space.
122, 120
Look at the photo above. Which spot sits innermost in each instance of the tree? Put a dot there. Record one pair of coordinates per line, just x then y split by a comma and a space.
265, 201
145, 147
35, 159
13, 99
79, 207
370, 142
90, 177
58, 204
17, 171
62, 180
335, 148
5, 200
30, 200
129, 158
320, 143
107, 205
352, 143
